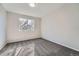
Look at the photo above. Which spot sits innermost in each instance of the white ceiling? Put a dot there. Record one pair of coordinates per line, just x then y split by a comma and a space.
40, 10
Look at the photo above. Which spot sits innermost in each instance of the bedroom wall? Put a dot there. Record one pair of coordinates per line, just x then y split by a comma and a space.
13, 33
3, 18
62, 26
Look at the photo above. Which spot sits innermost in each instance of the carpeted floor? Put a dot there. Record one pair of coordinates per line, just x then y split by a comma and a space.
36, 47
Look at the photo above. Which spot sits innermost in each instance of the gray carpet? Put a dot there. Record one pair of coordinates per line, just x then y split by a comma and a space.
36, 47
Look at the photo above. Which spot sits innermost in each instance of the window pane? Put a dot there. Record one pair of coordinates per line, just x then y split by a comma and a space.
26, 24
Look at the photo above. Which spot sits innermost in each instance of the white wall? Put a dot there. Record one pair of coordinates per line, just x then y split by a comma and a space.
2, 27
13, 34
62, 26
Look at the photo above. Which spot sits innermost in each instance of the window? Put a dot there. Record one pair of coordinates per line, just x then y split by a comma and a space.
26, 24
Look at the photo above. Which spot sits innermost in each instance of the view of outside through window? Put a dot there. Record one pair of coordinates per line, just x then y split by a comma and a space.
26, 24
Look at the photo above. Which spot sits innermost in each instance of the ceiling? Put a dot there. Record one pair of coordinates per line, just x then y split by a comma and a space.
40, 10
